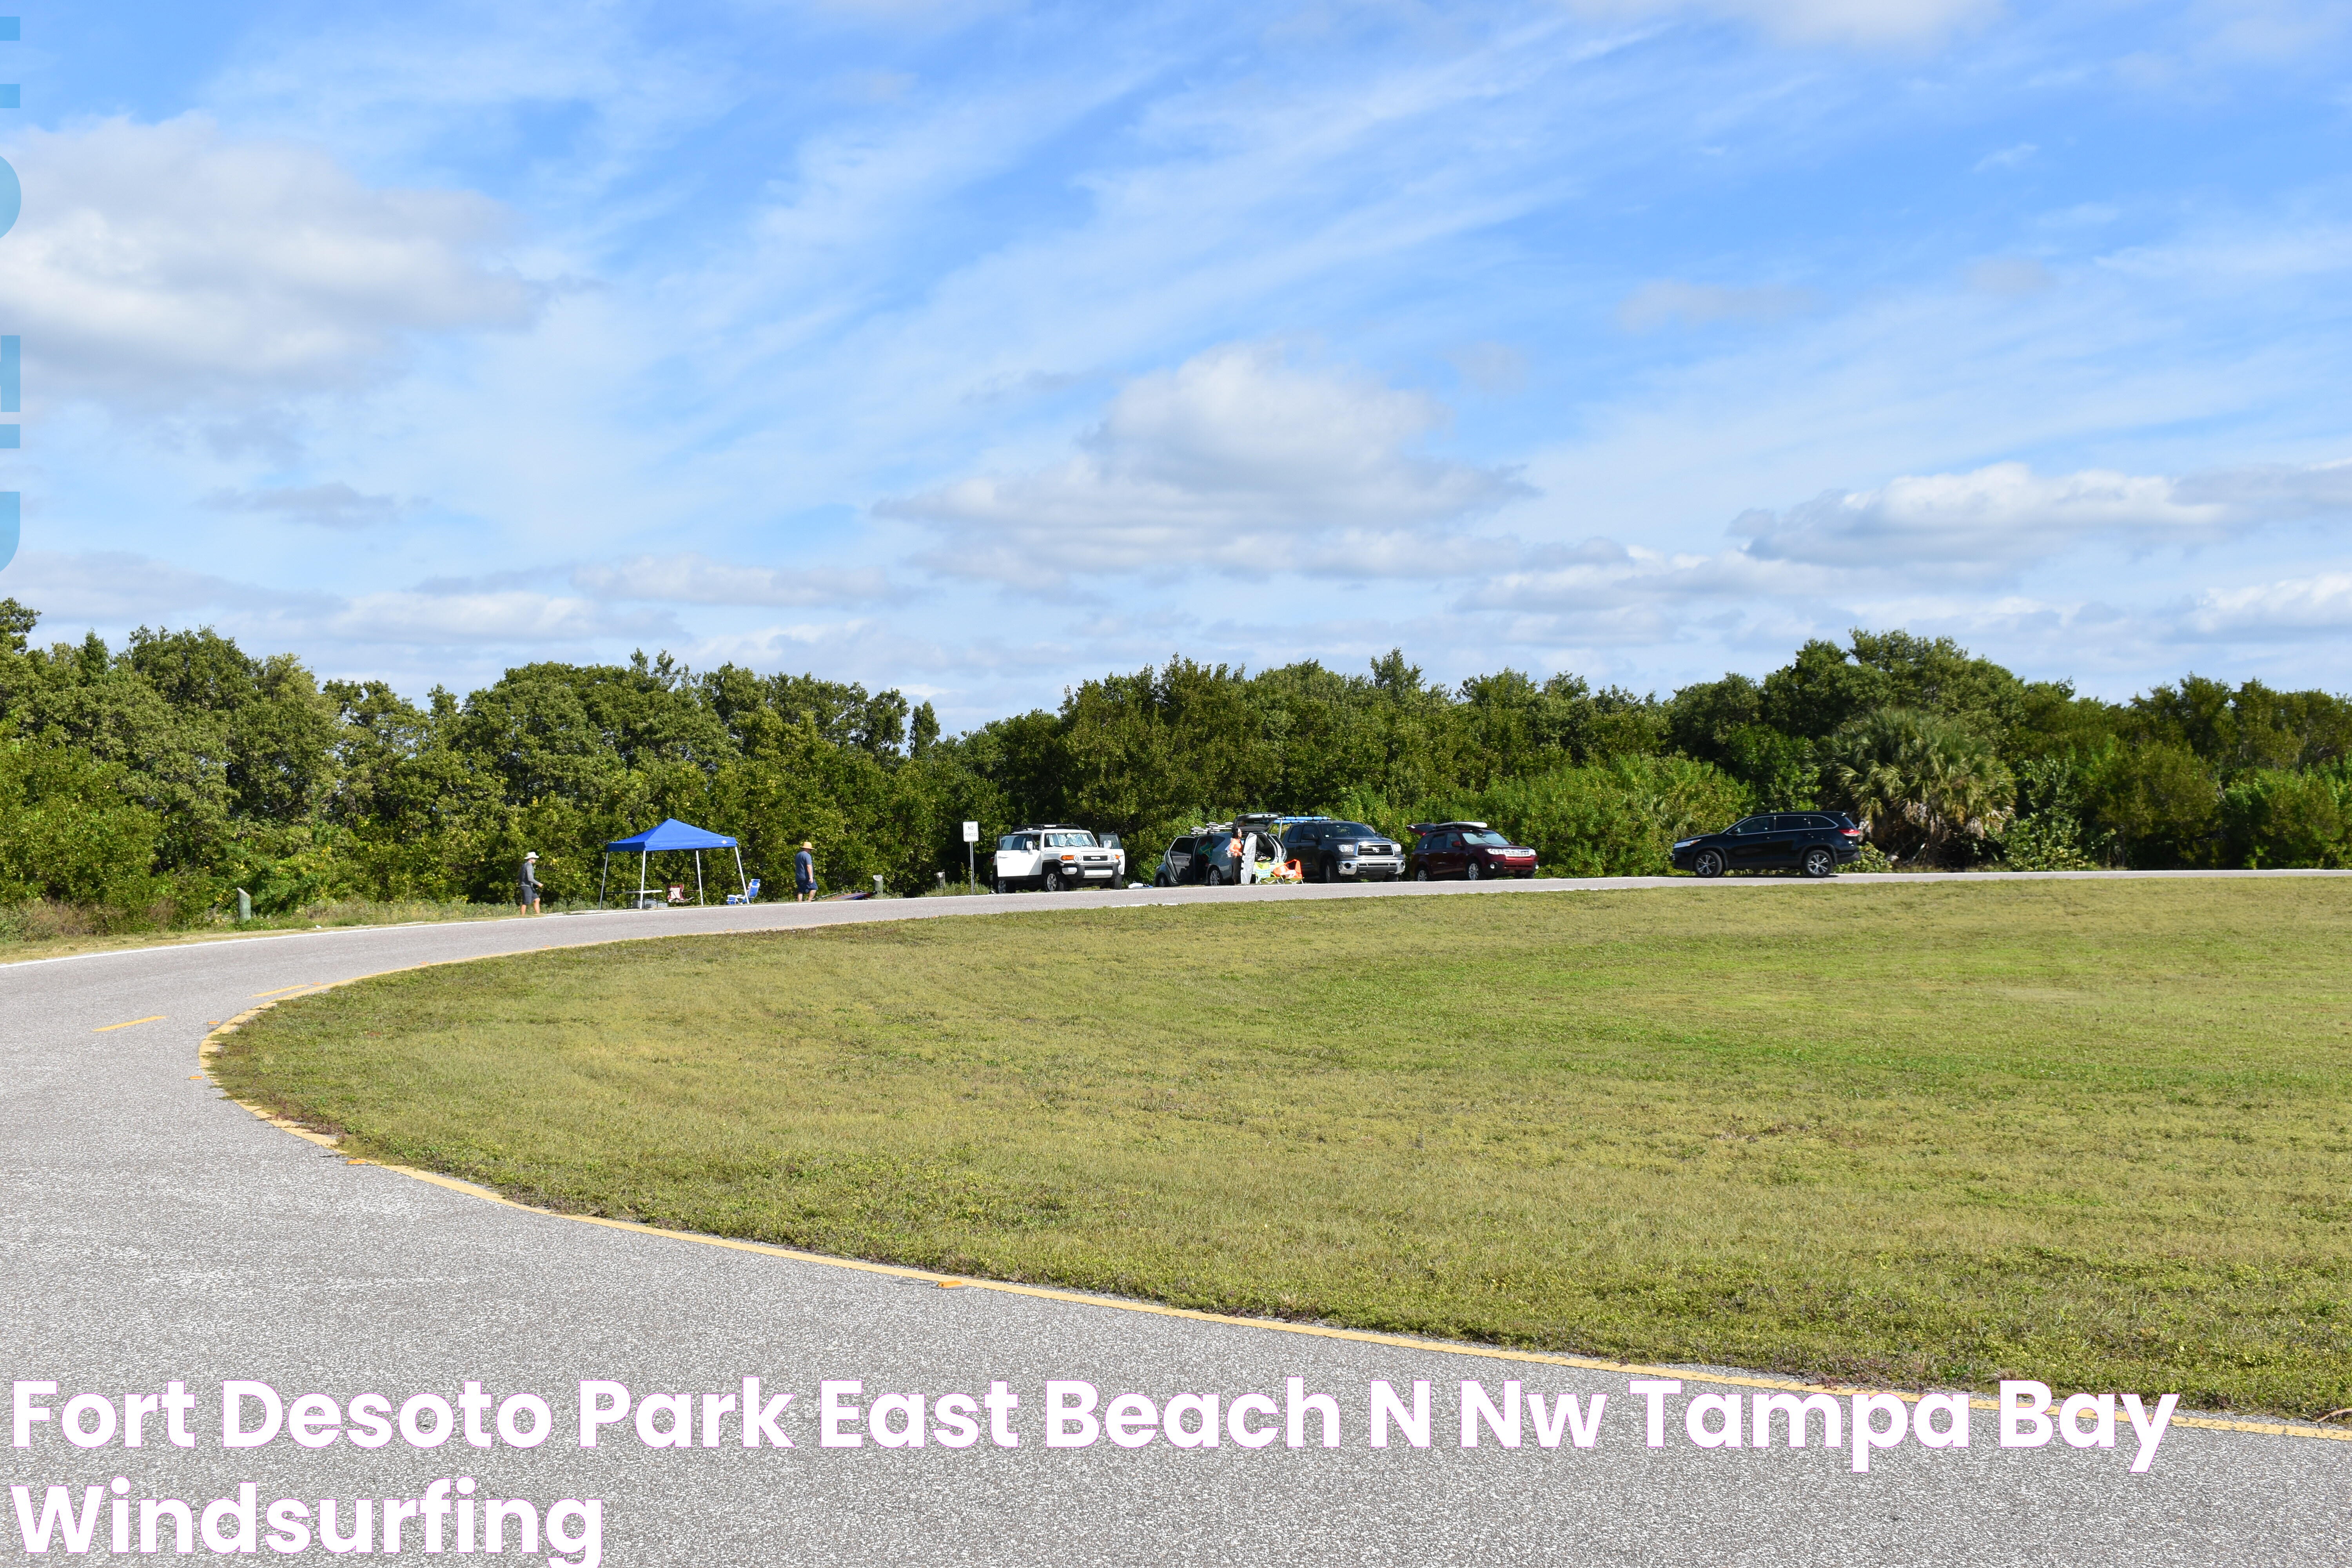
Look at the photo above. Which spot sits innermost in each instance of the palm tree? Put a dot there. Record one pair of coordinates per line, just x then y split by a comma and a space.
1921, 783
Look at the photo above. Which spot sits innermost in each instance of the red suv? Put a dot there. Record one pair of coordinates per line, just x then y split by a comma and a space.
1466, 849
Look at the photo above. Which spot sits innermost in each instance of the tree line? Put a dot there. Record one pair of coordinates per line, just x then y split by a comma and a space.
151, 781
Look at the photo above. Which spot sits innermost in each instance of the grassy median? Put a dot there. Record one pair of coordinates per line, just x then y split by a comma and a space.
2094, 1132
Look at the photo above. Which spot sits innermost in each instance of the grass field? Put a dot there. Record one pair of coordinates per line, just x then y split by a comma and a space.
2094, 1132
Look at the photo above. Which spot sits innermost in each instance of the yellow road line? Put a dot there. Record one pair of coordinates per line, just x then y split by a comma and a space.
1153, 1308
306, 985
109, 1028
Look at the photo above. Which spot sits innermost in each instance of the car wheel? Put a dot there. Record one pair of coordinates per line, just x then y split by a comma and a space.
1470, 872
1001, 888
1162, 879
1420, 874
1054, 881
1213, 878
1820, 862
1710, 863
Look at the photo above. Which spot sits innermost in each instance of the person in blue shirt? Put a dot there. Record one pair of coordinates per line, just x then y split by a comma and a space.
804, 873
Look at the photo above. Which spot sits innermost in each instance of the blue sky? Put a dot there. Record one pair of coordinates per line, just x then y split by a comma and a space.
976, 347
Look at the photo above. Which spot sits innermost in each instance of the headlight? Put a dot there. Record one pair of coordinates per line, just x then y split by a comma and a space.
1684, 843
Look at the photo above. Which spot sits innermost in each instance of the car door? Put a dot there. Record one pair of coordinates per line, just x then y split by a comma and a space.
1750, 842
1012, 859
1791, 837
1304, 844
1446, 857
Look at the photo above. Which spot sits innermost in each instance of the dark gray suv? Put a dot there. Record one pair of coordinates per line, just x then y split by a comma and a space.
1343, 852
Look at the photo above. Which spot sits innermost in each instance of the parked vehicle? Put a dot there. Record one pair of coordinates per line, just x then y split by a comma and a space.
1470, 851
1054, 855
1330, 851
1261, 853
1814, 842
1187, 858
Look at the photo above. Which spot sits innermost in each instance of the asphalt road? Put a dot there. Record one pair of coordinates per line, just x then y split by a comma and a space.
154, 1231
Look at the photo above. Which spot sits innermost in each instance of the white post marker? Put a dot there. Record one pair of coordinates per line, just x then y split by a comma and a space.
971, 856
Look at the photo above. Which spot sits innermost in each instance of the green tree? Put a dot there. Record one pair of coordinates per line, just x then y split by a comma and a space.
66, 832
2161, 801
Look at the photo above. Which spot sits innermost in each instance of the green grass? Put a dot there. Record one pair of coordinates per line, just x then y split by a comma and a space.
2094, 1132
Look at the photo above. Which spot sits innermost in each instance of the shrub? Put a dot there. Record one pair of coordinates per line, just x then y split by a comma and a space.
67, 835
2271, 818
1618, 818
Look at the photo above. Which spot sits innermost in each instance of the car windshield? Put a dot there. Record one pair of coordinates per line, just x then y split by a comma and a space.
1072, 840
1356, 830
1493, 840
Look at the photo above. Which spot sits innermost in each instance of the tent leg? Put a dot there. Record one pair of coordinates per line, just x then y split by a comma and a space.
641, 856
739, 878
698, 878
601, 876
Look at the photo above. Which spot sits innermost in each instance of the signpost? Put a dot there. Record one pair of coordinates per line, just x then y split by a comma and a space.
970, 860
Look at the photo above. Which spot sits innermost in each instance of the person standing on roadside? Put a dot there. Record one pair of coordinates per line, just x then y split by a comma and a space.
804, 873
529, 888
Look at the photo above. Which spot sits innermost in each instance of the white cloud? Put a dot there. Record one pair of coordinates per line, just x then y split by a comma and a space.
696, 579
2276, 492
2007, 158
1238, 457
1989, 521
117, 588
1655, 304
168, 267
2274, 611
516, 617
336, 506
1921, 547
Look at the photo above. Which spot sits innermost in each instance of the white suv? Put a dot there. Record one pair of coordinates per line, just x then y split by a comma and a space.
1053, 856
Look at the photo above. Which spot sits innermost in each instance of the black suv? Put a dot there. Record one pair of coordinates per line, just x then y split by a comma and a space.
1814, 842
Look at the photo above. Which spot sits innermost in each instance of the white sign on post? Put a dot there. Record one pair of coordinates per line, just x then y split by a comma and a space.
971, 833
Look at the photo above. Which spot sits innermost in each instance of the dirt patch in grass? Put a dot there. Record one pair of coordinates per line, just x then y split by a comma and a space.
2096, 1133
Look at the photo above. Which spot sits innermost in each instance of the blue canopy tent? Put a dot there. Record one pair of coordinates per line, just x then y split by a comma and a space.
671, 834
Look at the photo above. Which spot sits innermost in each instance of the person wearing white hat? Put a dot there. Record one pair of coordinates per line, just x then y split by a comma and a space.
530, 884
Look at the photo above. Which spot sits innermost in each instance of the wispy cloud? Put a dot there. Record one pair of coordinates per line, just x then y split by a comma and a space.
1656, 304
2007, 157
1995, 521
334, 505
691, 578
1877, 23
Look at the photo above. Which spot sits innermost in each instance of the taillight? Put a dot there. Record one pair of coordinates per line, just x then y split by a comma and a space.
1851, 832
